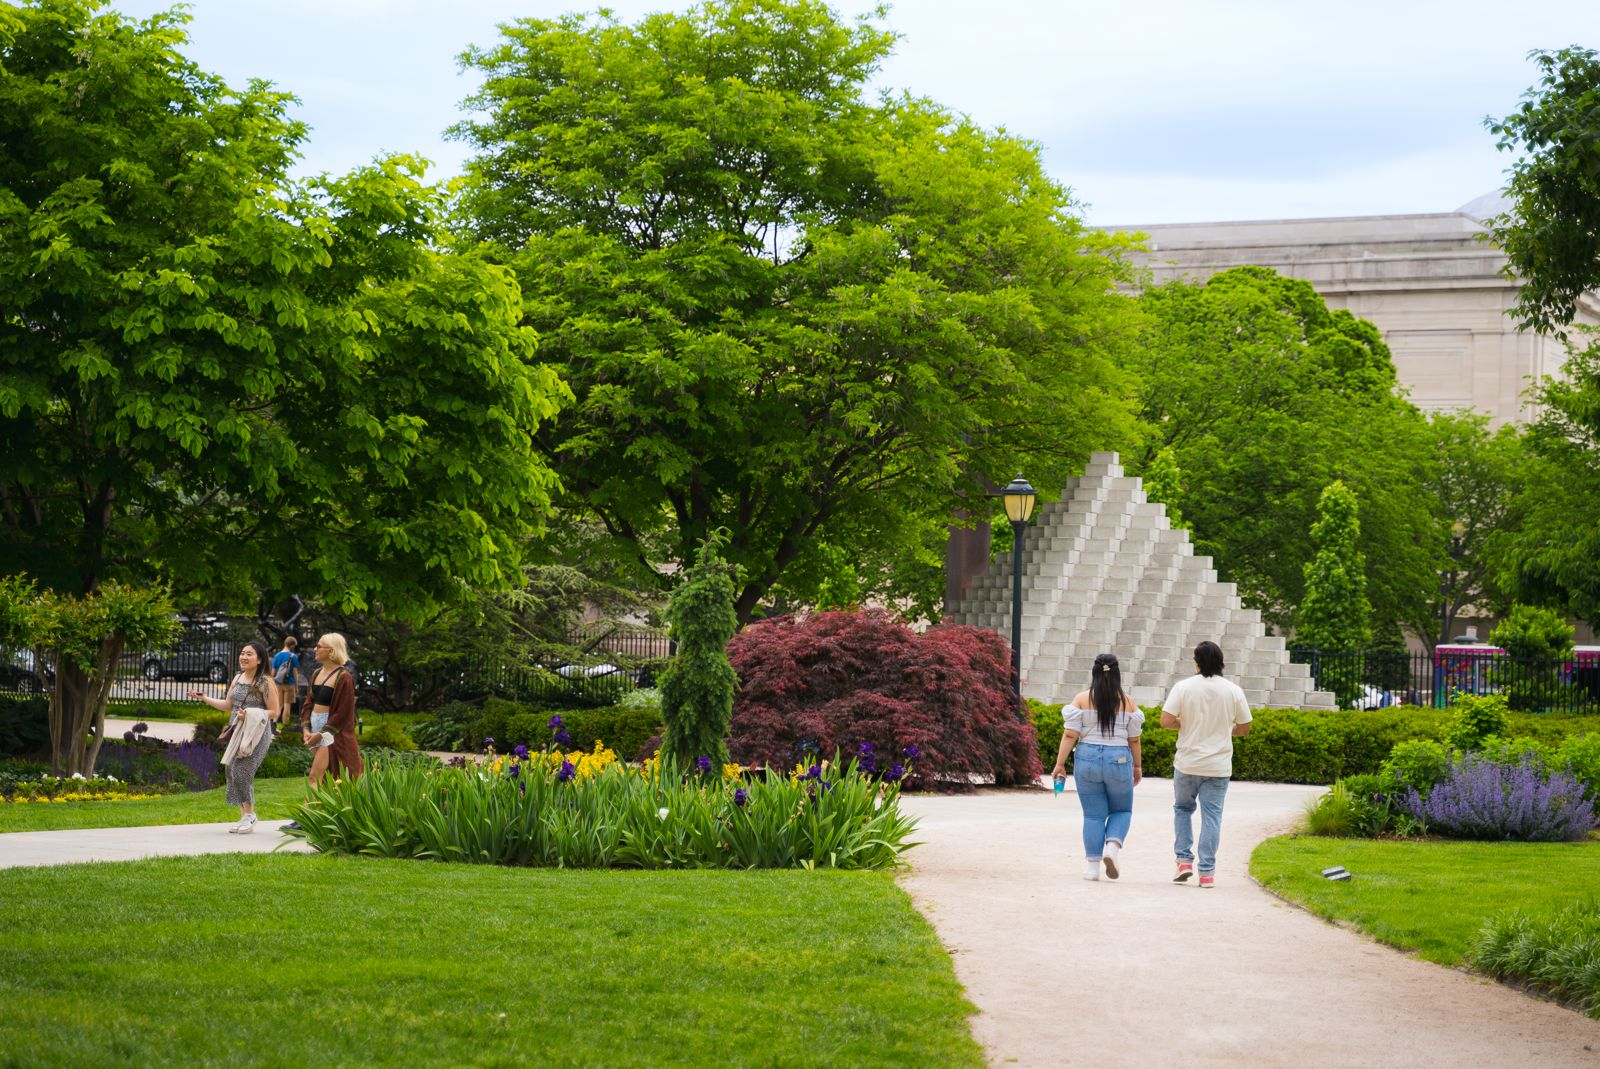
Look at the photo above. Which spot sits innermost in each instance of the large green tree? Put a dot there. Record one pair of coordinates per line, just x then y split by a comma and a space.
1474, 488
214, 373
1264, 396
1551, 236
1552, 232
786, 308
1550, 553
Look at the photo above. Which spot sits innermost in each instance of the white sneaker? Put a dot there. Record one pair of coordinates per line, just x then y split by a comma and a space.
1092, 871
246, 826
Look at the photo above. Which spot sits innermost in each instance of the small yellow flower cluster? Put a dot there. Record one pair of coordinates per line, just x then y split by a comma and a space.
584, 765
79, 796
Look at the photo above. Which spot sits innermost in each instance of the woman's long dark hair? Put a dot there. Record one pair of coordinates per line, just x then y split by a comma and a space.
1105, 691
263, 659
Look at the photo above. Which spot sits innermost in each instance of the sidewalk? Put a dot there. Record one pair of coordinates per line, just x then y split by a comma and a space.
1143, 972
131, 844
165, 730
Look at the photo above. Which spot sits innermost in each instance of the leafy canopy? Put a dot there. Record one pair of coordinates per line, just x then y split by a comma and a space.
784, 309
1264, 396
1552, 233
214, 373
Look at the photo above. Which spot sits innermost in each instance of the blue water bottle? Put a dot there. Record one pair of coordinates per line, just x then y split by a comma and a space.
1061, 784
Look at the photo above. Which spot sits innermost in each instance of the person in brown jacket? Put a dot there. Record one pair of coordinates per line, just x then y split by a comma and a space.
329, 727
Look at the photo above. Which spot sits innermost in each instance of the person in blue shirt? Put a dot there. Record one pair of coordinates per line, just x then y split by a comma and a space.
286, 673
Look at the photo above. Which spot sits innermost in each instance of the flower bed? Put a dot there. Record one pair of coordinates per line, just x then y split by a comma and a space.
76, 788
588, 810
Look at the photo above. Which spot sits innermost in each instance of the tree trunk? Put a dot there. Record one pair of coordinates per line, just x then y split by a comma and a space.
77, 706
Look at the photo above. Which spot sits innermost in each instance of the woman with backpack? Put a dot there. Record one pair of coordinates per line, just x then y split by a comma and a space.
251, 697
329, 727
1104, 725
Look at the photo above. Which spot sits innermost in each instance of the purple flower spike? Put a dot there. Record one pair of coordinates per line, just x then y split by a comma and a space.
704, 764
521, 752
566, 772
740, 797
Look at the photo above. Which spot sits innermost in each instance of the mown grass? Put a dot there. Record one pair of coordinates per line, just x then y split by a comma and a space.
274, 800
1433, 897
306, 960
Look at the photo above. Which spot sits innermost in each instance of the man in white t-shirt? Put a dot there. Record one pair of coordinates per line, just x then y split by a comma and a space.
1209, 713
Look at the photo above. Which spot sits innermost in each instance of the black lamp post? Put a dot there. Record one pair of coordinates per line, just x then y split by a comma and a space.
1447, 584
1018, 499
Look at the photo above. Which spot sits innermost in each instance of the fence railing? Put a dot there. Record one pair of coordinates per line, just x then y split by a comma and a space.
1372, 678
205, 660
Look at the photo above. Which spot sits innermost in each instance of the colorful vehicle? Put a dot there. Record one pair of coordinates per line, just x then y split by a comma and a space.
1464, 667
1468, 668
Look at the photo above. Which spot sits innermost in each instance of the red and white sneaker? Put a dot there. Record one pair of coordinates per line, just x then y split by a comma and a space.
1207, 880
1185, 870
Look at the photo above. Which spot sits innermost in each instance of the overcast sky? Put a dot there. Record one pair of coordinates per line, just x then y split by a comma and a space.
1152, 112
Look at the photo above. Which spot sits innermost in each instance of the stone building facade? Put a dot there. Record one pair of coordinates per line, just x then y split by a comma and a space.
1430, 283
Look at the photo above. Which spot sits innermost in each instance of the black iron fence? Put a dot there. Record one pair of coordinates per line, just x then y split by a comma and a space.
1374, 678
612, 660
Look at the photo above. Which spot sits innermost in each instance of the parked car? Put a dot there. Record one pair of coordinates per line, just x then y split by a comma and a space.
201, 653
18, 673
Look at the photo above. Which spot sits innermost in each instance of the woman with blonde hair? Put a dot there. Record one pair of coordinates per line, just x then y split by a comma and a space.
330, 724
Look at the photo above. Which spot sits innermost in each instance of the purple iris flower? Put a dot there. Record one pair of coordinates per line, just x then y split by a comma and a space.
515, 770
556, 721
704, 764
912, 752
521, 752
488, 742
566, 772
865, 749
897, 772
812, 773
740, 797
562, 738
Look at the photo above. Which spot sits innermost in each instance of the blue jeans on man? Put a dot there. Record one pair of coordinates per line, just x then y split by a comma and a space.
1208, 792
1103, 776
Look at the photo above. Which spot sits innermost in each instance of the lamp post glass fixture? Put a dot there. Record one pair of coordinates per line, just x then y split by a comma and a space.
1018, 499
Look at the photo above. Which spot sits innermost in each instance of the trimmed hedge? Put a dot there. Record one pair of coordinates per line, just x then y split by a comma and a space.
24, 726
624, 728
1312, 746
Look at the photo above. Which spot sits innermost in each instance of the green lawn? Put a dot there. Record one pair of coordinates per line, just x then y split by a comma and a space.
273, 799
1431, 896
298, 960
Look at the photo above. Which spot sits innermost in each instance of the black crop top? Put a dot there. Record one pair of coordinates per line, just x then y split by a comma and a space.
322, 693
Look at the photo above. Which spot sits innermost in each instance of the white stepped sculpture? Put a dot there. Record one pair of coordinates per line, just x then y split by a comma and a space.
1103, 570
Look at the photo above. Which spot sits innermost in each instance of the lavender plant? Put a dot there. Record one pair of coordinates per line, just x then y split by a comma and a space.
1487, 799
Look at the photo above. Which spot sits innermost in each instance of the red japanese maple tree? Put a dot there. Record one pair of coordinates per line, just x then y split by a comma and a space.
814, 683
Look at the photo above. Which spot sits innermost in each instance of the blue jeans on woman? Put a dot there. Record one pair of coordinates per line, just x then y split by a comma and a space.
1208, 791
1104, 778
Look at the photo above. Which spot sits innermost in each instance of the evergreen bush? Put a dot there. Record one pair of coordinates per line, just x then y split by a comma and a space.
1334, 613
698, 686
